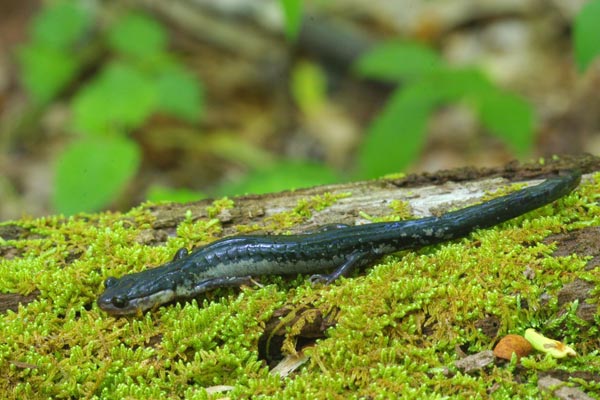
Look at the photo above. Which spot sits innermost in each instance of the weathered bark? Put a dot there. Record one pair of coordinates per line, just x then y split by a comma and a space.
426, 194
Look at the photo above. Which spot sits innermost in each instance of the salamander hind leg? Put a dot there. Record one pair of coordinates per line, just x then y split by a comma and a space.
354, 260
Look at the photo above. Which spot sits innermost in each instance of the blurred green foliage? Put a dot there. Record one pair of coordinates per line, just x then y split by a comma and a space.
396, 61
292, 14
586, 34
159, 193
48, 60
118, 99
281, 176
139, 79
46, 71
308, 87
105, 163
397, 134
139, 37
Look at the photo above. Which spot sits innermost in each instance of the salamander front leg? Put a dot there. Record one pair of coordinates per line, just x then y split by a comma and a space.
181, 253
356, 259
215, 283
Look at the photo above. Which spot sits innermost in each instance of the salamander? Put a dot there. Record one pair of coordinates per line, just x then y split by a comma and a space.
232, 261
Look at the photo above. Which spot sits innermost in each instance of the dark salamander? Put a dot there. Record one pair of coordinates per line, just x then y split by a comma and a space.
341, 248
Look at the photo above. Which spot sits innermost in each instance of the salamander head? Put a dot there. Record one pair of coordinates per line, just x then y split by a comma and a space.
134, 293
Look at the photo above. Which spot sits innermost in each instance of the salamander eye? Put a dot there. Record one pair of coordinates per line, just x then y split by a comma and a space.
110, 281
119, 301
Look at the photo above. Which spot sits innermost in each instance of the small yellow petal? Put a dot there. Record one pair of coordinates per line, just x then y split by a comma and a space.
546, 345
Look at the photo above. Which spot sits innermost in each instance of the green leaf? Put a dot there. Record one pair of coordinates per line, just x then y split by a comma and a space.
158, 193
455, 84
394, 61
180, 94
397, 134
506, 115
281, 176
61, 25
138, 36
292, 13
91, 172
46, 70
309, 87
120, 98
586, 34
509, 117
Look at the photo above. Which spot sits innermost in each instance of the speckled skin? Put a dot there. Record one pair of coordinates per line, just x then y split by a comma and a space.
232, 261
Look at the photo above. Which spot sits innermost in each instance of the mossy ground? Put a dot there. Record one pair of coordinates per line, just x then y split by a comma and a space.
400, 323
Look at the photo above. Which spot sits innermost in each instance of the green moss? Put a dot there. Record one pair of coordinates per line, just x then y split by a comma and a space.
503, 191
219, 206
303, 211
399, 322
401, 209
397, 175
